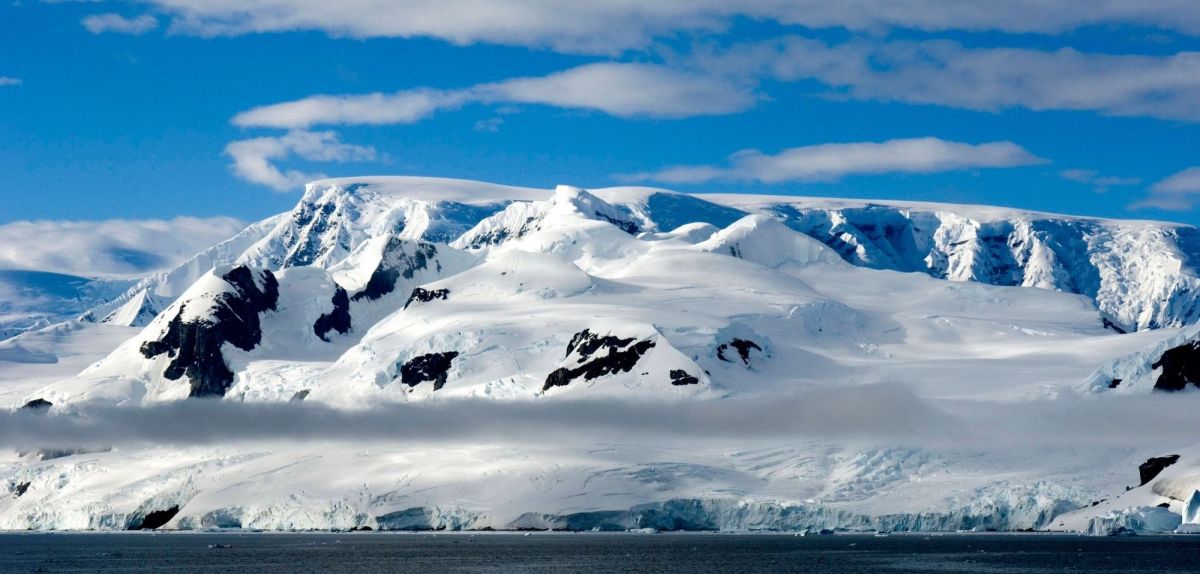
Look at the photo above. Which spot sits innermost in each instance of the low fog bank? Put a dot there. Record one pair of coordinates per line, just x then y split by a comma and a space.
886, 413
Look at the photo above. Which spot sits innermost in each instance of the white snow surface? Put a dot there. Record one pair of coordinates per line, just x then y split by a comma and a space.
635, 294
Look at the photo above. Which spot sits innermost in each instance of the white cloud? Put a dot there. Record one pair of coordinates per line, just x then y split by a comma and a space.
118, 24
609, 26
988, 79
624, 90
612, 26
829, 162
7, 81
1100, 183
1179, 192
367, 109
253, 159
619, 89
111, 248
1015, 16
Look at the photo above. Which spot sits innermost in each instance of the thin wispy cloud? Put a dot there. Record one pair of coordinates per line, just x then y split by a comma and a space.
614, 26
618, 89
253, 159
8, 81
1179, 192
118, 24
405, 107
830, 162
946, 73
624, 90
1098, 182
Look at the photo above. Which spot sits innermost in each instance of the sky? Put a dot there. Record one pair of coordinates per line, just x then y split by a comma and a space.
161, 109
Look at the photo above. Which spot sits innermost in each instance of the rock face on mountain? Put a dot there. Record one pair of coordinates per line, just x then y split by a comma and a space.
193, 337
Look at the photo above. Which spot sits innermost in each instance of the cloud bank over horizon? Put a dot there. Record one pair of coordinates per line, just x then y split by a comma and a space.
115, 248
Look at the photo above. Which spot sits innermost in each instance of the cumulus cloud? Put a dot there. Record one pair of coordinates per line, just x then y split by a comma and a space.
253, 159
110, 248
946, 73
118, 24
619, 89
7, 81
1099, 183
613, 26
1179, 192
828, 162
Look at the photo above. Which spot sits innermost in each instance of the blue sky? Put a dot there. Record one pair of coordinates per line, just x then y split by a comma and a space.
165, 108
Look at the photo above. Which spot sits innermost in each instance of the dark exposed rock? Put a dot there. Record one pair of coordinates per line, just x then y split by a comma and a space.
21, 488
154, 519
195, 346
300, 395
426, 295
396, 263
1153, 466
39, 406
1180, 367
619, 357
680, 377
742, 346
336, 320
1108, 324
1114, 383
430, 367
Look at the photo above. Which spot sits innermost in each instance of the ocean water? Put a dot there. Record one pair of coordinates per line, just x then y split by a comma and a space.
591, 553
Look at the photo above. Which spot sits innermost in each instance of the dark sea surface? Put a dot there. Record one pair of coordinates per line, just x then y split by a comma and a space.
590, 552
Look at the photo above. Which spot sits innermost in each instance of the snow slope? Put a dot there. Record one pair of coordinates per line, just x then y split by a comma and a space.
443, 294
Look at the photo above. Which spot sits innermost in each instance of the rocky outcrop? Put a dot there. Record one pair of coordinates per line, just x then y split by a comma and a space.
429, 367
194, 344
1180, 367
1154, 466
598, 355
426, 295
153, 519
397, 262
336, 320
737, 348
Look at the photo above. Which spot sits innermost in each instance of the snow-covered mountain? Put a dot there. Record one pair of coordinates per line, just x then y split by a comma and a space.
445, 294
